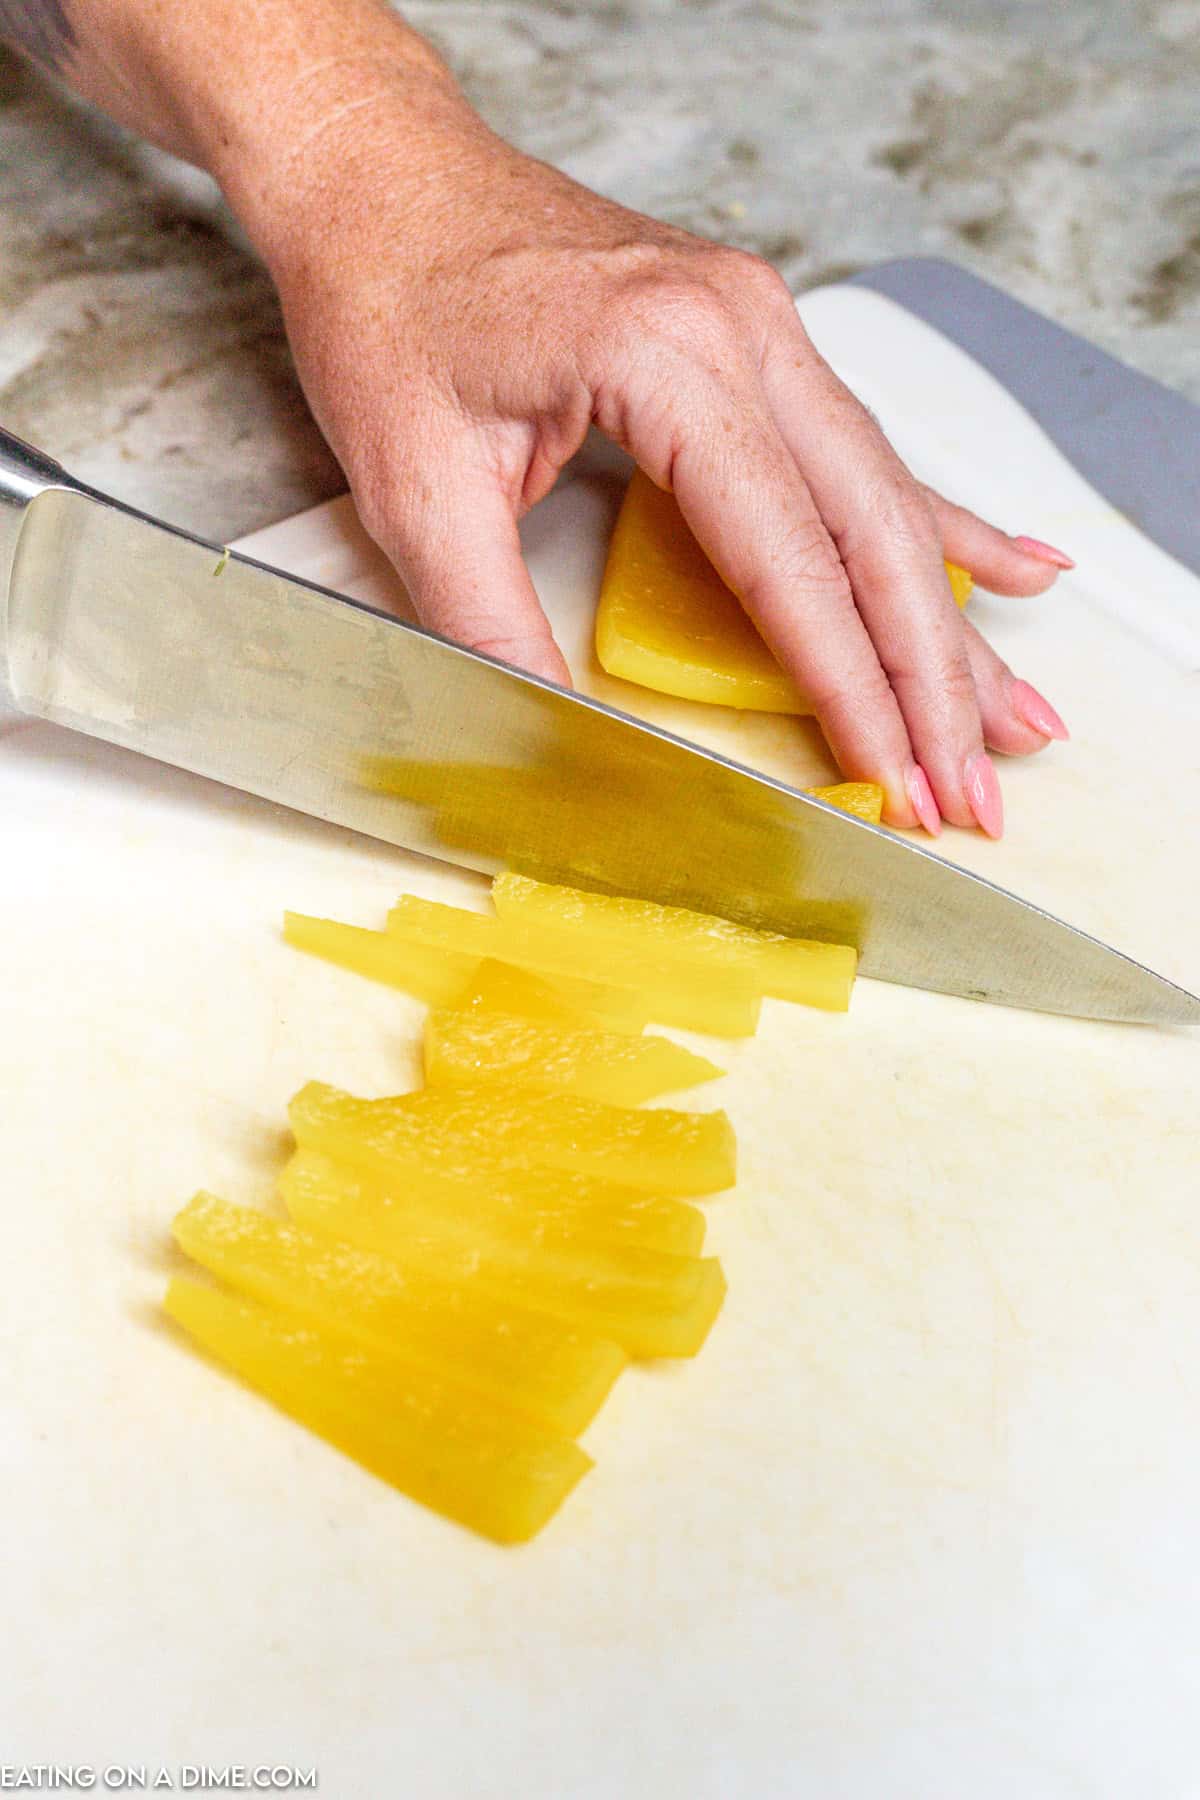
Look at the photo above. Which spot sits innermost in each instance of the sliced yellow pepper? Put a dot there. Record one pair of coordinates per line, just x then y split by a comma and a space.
667, 621
790, 968
440, 976
649, 1301
662, 1149
521, 1358
474, 1129
864, 799
599, 1065
434, 1439
536, 1205
724, 1003
499, 987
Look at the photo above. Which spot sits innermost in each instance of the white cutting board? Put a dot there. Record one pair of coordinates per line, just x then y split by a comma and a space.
920, 1521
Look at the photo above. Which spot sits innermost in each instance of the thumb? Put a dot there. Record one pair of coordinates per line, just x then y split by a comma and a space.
456, 547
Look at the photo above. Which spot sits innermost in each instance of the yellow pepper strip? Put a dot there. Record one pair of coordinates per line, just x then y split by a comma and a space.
789, 968
724, 1002
864, 799
469, 1132
476, 1134
648, 1301
440, 976
434, 1439
599, 1065
667, 621
499, 987
382, 957
663, 1150
520, 1358
537, 1205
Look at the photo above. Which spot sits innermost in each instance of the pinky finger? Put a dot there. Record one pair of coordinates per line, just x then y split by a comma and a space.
1002, 564
1017, 720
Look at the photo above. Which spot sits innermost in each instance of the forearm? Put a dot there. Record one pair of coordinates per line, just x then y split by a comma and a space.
262, 96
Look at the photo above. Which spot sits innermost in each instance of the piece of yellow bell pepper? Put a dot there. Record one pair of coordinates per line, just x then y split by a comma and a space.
500, 987
598, 1065
649, 1301
474, 1129
520, 1358
440, 1442
863, 799
667, 621
440, 976
696, 945
724, 1003
537, 1205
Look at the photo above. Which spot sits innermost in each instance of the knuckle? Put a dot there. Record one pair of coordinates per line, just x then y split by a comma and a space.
958, 683
756, 279
676, 306
836, 695
807, 571
953, 684
903, 512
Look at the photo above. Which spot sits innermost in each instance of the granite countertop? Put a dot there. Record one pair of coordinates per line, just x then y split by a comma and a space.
1055, 151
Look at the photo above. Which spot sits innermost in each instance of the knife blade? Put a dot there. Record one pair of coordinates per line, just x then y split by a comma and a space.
124, 628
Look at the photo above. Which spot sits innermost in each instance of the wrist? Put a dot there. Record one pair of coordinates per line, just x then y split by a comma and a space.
389, 144
282, 103
321, 143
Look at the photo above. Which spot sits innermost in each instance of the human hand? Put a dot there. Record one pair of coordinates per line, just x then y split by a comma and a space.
461, 313
456, 340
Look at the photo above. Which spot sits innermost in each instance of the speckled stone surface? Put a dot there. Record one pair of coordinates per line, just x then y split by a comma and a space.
1055, 150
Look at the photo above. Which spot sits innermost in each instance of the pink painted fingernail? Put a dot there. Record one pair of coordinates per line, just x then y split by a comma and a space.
983, 794
1036, 711
1044, 552
923, 802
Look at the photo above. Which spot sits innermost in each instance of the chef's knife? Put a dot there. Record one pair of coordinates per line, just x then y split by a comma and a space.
121, 627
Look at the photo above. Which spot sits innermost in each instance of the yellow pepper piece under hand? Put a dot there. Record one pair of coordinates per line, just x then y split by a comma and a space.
520, 1358
667, 621
789, 968
864, 799
650, 1302
435, 1439
599, 1065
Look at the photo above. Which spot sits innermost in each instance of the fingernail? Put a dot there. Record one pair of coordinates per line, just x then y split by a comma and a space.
923, 802
1036, 711
1044, 552
983, 794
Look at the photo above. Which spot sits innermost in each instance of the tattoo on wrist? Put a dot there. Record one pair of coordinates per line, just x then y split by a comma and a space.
41, 28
